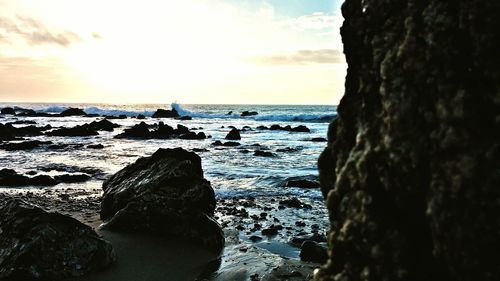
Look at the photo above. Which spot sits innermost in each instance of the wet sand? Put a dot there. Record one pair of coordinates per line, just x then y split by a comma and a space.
152, 258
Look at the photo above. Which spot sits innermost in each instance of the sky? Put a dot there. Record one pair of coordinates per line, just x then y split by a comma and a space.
189, 51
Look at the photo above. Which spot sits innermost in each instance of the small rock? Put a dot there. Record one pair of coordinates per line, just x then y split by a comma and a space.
255, 238
270, 231
95, 146
234, 134
313, 252
264, 153
249, 113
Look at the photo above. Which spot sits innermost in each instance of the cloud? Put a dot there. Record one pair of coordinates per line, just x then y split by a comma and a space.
321, 56
35, 32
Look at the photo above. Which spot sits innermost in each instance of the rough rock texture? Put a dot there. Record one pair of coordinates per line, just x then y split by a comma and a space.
412, 167
36, 245
163, 194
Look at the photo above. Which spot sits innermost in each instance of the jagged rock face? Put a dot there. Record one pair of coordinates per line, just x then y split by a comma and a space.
412, 168
164, 194
36, 245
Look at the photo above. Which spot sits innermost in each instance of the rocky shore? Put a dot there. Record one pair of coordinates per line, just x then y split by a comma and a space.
161, 202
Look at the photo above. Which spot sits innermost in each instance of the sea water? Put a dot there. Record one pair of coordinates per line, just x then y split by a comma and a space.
235, 173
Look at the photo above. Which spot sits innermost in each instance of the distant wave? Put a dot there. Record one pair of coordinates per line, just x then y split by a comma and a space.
53, 109
322, 118
304, 117
116, 112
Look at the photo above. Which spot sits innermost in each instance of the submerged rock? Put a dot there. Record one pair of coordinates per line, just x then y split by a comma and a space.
36, 245
163, 194
234, 134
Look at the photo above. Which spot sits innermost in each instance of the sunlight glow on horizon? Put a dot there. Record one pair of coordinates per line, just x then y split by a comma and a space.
193, 52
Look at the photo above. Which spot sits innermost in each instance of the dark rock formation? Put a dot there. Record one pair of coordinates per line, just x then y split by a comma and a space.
140, 131
25, 145
234, 134
313, 252
73, 112
185, 118
77, 131
193, 136
85, 129
103, 125
294, 202
162, 131
302, 182
32, 113
249, 113
228, 143
95, 146
299, 240
8, 111
271, 231
163, 194
412, 164
9, 177
289, 149
319, 139
276, 127
72, 178
9, 132
163, 113
36, 245
264, 153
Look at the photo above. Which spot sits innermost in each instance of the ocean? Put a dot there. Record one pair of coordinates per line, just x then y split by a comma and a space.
235, 173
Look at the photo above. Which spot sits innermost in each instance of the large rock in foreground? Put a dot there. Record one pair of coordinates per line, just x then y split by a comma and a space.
36, 245
163, 194
412, 167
